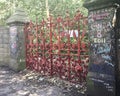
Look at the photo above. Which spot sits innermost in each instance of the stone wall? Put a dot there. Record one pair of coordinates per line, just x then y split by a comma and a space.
17, 47
4, 46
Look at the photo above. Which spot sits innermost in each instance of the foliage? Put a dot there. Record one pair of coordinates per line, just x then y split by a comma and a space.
39, 8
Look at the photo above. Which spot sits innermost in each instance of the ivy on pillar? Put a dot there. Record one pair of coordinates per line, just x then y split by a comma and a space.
101, 79
17, 39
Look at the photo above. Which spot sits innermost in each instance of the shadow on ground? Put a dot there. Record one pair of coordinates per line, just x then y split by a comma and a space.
28, 83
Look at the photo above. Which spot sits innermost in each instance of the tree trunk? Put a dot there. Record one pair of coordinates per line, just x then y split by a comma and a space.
47, 9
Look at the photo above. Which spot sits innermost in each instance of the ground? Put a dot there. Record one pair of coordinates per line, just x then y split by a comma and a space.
28, 83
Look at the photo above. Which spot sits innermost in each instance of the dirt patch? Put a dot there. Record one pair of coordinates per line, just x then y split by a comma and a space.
30, 83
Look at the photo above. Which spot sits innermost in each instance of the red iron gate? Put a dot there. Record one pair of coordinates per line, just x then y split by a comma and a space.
58, 47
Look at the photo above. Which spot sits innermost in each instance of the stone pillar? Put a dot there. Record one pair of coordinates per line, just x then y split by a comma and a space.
117, 29
101, 79
17, 39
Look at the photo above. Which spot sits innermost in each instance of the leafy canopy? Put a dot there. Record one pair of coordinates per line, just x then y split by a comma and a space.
40, 8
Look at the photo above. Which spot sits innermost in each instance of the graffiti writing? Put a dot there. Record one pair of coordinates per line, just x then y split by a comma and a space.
13, 40
108, 85
100, 15
101, 46
99, 40
102, 49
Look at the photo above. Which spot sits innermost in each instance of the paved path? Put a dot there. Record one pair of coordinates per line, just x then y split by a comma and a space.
21, 84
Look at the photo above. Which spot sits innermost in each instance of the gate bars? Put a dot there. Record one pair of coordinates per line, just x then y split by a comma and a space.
58, 47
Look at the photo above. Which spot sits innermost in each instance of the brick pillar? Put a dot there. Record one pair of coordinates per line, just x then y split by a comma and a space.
101, 79
17, 41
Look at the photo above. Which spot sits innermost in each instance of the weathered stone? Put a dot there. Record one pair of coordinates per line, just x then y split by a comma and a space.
4, 44
102, 78
1, 40
18, 17
13, 64
96, 4
6, 36
17, 47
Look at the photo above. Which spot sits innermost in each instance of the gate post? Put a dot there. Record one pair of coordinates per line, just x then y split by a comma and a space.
103, 67
17, 39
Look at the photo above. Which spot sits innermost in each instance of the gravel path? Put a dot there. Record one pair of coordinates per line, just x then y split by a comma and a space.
31, 84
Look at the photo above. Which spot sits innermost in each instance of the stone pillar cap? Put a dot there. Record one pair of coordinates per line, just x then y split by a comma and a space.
90, 4
18, 17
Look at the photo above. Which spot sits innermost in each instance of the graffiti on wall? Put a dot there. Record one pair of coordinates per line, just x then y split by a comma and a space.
101, 48
100, 37
100, 15
101, 59
13, 41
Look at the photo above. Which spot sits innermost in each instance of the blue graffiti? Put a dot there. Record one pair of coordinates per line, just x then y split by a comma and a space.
106, 57
104, 49
108, 63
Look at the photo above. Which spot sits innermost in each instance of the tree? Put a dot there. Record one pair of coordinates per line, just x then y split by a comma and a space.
40, 8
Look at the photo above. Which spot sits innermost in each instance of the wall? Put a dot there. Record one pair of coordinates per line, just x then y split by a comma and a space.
12, 48
4, 46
